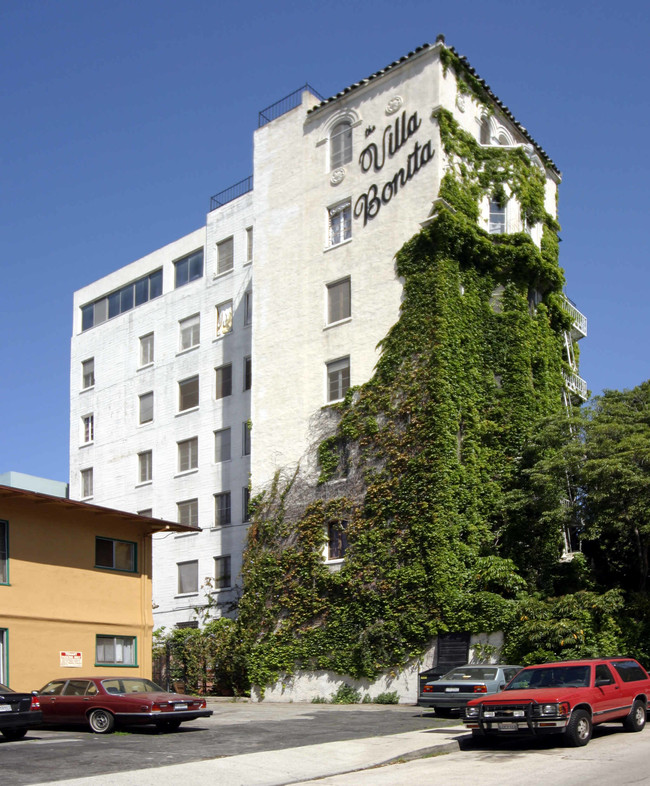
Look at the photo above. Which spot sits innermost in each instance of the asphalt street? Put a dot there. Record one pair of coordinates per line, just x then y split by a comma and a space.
234, 729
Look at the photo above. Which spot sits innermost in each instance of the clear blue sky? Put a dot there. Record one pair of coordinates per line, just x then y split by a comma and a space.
120, 119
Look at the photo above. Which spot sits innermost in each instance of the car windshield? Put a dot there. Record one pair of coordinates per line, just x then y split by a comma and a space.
552, 677
5, 689
470, 673
131, 685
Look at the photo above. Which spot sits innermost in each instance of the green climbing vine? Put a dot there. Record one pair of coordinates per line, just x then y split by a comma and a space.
424, 468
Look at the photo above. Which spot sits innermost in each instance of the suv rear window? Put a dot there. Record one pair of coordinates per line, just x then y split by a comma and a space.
629, 670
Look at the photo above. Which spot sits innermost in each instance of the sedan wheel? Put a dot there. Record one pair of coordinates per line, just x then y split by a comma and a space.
101, 721
14, 734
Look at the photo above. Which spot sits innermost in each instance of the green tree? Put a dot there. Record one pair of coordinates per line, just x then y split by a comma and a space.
616, 486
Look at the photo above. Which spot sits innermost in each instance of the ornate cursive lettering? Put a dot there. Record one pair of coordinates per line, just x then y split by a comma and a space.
395, 136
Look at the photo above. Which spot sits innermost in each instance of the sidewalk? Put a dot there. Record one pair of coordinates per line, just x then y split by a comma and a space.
291, 765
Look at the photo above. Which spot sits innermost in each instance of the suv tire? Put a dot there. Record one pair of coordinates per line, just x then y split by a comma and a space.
578, 730
635, 721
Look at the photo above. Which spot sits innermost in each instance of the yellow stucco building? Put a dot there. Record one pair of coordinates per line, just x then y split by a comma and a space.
75, 589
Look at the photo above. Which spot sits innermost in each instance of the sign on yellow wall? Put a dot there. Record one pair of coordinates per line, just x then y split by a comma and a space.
69, 658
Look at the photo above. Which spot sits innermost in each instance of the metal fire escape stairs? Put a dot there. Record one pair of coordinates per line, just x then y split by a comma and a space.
574, 386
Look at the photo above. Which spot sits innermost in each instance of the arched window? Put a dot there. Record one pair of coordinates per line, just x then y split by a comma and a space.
341, 144
485, 131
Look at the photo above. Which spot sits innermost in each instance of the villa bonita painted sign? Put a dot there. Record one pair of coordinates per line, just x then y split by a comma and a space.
373, 157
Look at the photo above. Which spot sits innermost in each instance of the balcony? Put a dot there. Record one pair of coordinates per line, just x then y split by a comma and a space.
575, 384
578, 320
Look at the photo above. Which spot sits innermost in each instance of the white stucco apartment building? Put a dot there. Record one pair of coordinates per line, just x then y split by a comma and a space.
201, 369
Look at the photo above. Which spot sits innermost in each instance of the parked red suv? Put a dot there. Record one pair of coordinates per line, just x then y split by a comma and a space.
567, 697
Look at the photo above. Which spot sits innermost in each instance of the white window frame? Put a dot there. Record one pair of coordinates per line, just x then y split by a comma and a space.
88, 374
183, 393
341, 144
225, 255
222, 512
187, 573
248, 307
249, 245
245, 439
188, 454
189, 332
145, 466
88, 429
219, 376
223, 431
498, 218
338, 367
87, 483
144, 398
339, 223
341, 528
146, 350
224, 318
334, 300
188, 512
220, 576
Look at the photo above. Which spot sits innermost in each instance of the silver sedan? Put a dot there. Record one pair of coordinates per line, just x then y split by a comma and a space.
455, 688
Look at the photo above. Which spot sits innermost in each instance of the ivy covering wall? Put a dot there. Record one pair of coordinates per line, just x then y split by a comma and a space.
425, 459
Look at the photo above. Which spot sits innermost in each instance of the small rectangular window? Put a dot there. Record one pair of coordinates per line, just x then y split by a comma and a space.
245, 504
4, 552
338, 301
497, 223
188, 577
224, 381
146, 407
248, 308
86, 483
115, 650
248, 373
337, 539
225, 255
222, 577
145, 466
115, 554
88, 428
146, 350
340, 223
222, 445
245, 439
188, 269
188, 512
188, 394
222, 509
249, 244
88, 373
190, 332
224, 318
338, 379
188, 454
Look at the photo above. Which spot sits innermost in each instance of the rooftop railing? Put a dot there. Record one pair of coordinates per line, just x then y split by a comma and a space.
285, 104
233, 192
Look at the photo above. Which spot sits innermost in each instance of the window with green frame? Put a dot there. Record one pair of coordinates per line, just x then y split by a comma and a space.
115, 554
116, 650
4, 552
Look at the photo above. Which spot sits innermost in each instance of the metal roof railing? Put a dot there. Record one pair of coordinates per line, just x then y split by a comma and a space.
285, 104
233, 192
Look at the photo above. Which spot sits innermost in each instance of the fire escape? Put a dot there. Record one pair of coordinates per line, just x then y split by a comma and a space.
574, 387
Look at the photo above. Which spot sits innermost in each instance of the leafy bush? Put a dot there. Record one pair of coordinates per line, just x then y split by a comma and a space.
319, 700
389, 697
346, 694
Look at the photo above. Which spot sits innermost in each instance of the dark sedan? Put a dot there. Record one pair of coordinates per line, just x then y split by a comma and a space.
18, 713
103, 702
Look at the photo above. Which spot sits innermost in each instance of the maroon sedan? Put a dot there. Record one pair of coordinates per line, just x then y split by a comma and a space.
101, 702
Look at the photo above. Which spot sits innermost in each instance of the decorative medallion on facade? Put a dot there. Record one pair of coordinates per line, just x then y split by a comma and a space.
460, 102
337, 176
394, 105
